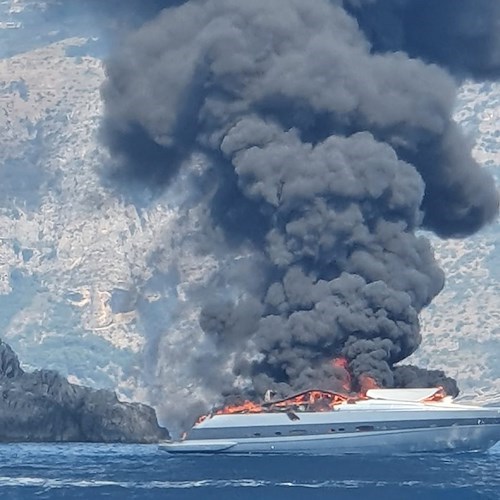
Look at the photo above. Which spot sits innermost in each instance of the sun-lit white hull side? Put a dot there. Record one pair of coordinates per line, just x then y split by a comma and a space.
454, 438
372, 425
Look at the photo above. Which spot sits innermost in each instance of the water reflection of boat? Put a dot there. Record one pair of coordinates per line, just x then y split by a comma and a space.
326, 423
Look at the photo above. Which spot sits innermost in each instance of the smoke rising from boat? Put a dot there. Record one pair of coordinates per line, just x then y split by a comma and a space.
325, 152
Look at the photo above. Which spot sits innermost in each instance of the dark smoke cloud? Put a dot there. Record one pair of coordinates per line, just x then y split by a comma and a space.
413, 376
462, 35
324, 158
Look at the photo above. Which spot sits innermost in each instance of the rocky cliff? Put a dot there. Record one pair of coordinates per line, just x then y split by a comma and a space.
44, 406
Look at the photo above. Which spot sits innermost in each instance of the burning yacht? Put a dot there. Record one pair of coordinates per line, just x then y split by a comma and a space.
328, 423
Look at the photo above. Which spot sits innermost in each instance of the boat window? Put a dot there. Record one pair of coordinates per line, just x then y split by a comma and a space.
332, 430
278, 433
341, 429
365, 428
257, 434
297, 432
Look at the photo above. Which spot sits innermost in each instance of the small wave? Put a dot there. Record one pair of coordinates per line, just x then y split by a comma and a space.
48, 484
44, 483
205, 483
57, 483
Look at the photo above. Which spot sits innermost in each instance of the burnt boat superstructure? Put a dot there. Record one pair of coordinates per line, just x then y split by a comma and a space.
319, 422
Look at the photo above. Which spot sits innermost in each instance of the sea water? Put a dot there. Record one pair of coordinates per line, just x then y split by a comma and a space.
81, 471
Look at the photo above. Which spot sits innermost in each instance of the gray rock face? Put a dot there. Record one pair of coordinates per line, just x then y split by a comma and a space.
44, 406
9, 364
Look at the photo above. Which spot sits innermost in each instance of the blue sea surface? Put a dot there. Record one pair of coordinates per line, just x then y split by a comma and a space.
73, 471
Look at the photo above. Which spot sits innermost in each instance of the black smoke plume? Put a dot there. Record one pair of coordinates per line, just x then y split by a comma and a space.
461, 35
327, 146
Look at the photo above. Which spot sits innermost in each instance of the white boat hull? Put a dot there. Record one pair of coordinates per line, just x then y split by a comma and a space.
383, 423
443, 439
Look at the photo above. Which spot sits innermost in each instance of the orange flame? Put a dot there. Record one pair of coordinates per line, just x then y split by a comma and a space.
366, 383
340, 363
437, 396
344, 364
245, 407
314, 400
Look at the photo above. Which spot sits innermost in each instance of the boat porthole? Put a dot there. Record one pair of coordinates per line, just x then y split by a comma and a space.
365, 428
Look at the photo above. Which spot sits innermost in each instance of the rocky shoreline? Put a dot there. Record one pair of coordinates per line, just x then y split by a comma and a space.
43, 406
